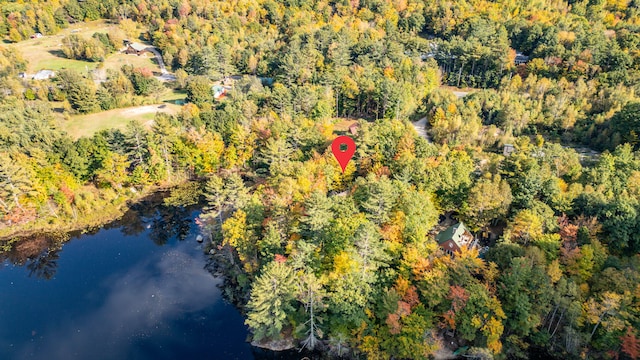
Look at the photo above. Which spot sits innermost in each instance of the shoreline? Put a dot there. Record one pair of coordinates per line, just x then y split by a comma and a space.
104, 216
118, 212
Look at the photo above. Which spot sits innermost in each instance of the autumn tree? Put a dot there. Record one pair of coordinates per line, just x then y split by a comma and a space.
489, 199
15, 182
630, 344
602, 311
199, 91
482, 319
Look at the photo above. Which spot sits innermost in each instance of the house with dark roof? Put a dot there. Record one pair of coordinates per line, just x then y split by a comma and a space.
521, 59
454, 238
135, 48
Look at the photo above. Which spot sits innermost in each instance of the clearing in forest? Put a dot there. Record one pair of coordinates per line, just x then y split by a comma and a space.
459, 92
87, 125
117, 60
46, 52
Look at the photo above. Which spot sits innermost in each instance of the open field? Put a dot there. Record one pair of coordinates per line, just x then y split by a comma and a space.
117, 60
87, 125
46, 52
174, 97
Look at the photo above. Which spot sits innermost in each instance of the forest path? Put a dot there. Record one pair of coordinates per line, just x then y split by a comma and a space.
421, 129
459, 92
421, 125
166, 76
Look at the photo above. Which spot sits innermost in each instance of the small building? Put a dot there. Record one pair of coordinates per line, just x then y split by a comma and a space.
266, 81
135, 48
218, 91
36, 36
44, 75
353, 128
521, 59
508, 149
454, 238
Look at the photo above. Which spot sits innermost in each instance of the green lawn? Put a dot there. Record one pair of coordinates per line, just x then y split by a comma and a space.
46, 52
173, 96
116, 61
87, 125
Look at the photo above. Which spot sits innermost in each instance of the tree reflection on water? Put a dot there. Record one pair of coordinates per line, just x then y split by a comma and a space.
169, 222
41, 252
44, 266
163, 222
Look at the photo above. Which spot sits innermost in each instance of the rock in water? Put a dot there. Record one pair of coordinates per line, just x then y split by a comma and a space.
199, 238
275, 345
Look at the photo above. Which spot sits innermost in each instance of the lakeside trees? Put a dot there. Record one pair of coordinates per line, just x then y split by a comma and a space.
349, 259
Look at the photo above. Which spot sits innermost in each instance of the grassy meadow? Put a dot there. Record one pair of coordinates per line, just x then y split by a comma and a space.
86, 125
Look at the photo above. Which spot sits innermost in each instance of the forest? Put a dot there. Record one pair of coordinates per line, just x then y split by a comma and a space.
347, 262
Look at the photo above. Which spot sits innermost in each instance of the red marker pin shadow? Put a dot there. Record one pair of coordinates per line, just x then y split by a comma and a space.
343, 156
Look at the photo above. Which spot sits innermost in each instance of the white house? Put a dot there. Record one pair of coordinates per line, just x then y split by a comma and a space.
44, 75
508, 149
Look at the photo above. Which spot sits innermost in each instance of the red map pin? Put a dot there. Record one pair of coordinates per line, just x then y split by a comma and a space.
343, 156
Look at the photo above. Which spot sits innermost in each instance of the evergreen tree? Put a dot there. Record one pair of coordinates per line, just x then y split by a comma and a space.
136, 143
164, 134
377, 198
14, 182
271, 300
80, 92
199, 91
311, 293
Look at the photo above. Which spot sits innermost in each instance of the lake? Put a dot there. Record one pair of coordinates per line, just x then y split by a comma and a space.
135, 289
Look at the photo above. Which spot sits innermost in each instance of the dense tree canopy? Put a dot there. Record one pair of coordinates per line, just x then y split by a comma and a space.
348, 261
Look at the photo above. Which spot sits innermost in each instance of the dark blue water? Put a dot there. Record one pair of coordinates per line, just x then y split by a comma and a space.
137, 290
